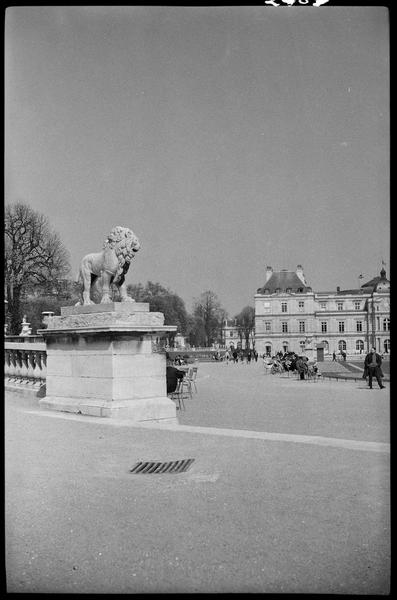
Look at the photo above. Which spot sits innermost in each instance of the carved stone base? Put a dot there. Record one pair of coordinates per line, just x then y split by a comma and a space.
101, 363
161, 410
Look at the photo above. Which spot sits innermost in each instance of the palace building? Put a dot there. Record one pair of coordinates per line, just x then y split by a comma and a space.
290, 316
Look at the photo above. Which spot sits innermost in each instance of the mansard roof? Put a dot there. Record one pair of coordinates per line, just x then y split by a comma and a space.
377, 284
283, 281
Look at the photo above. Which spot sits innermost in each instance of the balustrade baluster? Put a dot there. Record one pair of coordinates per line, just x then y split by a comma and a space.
43, 359
24, 367
12, 371
35, 367
18, 366
7, 363
31, 367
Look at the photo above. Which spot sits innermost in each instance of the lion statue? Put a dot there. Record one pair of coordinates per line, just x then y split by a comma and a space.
109, 266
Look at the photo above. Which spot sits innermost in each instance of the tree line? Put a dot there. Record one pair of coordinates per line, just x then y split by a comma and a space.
37, 279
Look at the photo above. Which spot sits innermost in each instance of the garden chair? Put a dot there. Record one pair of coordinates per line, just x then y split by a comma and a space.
178, 395
189, 381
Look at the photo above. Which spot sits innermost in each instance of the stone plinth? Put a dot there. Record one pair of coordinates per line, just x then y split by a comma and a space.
100, 362
310, 353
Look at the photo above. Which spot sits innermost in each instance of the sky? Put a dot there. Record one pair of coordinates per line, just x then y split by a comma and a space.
227, 138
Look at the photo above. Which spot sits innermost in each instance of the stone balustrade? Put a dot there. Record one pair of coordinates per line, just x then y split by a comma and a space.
25, 364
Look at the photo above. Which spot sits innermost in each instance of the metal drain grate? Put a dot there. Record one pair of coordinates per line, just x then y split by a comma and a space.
175, 466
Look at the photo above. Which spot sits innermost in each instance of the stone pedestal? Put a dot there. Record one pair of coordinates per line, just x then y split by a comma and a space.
310, 353
100, 362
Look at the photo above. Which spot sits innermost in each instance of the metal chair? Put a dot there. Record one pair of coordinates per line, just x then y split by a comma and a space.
178, 395
189, 381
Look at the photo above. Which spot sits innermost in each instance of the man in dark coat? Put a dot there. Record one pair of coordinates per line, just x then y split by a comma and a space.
372, 368
173, 375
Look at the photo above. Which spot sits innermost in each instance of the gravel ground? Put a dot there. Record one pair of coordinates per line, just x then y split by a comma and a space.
250, 516
251, 399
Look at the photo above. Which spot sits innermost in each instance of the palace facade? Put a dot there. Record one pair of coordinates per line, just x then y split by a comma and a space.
290, 316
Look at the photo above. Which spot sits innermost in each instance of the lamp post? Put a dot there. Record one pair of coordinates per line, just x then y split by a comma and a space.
373, 321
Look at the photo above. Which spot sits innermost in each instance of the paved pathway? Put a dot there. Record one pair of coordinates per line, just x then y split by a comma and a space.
288, 493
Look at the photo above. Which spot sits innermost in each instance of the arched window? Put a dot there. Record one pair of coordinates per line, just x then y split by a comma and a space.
302, 344
285, 347
326, 346
342, 345
359, 346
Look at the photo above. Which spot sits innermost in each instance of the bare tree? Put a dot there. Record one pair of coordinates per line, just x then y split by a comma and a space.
34, 256
209, 314
246, 325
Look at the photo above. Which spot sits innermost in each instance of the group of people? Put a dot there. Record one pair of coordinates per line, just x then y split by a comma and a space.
290, 361
237, 355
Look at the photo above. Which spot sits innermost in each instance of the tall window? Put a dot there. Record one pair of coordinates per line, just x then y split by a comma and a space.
324, 327
283, 307
341, 326
359, 325
323, 305
359, 345
386, 324
339, 305
301, 305
268, 326
357, 305
266, 307
301, 327
284, 326
342, 345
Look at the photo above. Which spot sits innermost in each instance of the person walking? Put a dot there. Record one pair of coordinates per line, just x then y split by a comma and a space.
333, 356
301, 366
372, 368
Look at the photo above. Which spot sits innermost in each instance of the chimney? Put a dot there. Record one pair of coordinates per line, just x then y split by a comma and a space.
269, 273
299, 272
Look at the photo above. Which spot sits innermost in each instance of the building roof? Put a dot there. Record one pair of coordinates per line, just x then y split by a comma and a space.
283, 281
229, 323
380, 283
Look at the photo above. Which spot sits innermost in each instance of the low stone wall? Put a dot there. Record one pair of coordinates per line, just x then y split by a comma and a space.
25, 364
